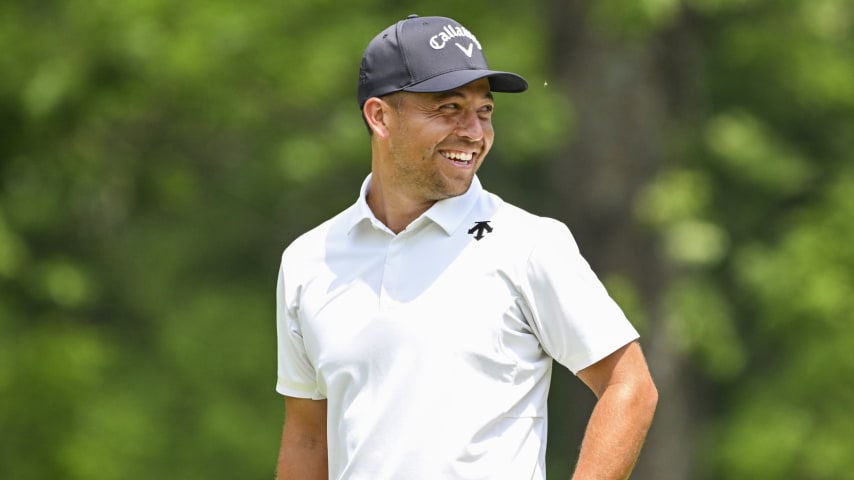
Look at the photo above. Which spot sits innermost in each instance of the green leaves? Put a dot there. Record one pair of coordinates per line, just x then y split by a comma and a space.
750, 153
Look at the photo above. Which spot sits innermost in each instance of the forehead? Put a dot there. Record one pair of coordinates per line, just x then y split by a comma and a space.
476, 90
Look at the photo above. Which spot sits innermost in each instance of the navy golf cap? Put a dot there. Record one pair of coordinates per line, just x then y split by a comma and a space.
427, 54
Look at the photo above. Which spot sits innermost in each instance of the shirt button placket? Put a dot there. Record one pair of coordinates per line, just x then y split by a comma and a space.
391, 273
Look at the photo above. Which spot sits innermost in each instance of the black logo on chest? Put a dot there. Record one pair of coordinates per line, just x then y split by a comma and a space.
480, 229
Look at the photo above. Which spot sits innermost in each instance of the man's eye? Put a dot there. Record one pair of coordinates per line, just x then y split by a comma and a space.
451, 106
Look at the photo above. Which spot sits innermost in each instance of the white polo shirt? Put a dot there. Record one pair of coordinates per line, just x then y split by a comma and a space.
434, 346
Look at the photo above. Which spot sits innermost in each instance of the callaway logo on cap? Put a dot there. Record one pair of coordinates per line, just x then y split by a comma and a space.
427, 54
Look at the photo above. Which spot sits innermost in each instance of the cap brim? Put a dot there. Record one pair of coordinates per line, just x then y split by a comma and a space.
498, 81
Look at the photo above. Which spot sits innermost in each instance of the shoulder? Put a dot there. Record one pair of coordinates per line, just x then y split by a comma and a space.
525, 229
535, 224
311, 246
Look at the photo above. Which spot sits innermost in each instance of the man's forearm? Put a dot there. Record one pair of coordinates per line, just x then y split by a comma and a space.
616, 432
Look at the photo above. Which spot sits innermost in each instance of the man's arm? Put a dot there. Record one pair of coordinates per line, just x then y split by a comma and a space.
618, 425
303, 455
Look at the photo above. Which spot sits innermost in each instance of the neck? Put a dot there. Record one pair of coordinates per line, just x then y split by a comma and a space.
395, 209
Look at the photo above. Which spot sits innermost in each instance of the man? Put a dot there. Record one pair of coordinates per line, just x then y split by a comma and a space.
417, 328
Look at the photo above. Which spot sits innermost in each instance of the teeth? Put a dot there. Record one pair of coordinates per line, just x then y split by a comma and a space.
459, 156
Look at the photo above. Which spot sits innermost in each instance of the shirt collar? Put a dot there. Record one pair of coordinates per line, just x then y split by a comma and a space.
448, 214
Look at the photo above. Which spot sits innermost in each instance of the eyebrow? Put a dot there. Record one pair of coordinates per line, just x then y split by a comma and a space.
457, 94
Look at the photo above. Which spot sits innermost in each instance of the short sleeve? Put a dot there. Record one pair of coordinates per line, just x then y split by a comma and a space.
575, 319
296, 374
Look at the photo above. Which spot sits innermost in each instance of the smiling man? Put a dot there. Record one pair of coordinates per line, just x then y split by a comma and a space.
417, 328
427, 148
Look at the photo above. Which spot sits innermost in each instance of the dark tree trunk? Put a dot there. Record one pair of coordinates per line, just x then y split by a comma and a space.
625, 93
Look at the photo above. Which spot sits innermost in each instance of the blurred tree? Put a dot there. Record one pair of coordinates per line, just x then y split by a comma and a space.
609, 57
710, 137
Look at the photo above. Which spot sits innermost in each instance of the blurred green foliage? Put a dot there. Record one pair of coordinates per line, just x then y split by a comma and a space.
155, 158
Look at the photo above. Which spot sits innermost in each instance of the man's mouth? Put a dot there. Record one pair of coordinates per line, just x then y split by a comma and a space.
459, 158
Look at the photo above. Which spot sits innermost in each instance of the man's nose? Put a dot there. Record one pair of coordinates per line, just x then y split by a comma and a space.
470, 126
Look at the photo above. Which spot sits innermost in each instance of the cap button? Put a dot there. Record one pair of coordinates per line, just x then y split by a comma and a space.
412, 16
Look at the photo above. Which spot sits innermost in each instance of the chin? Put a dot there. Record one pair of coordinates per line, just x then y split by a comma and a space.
459, 188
